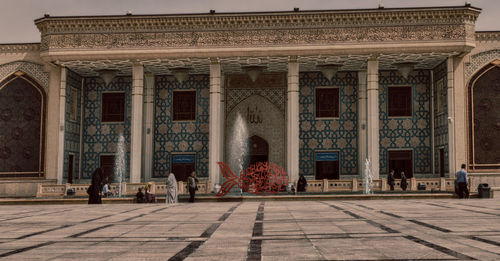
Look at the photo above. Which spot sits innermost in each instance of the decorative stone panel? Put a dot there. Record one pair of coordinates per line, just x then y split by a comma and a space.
180, 137
261, 117
34, 70
102, 138
408, 133
340, 134
477, 61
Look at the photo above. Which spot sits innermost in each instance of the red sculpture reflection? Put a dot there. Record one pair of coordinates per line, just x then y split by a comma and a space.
259, 178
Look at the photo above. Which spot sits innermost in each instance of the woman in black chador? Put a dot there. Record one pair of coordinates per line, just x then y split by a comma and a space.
301, 184
95, 188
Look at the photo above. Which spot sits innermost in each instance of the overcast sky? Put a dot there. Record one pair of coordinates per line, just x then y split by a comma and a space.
16, 16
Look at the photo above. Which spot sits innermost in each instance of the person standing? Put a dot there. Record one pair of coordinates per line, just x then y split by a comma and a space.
95, 187
192, 186
301, 184
462, 182
171, 189
390, 179
403, 184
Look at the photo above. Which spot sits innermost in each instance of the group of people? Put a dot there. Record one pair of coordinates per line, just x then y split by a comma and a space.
172, 192
391, 180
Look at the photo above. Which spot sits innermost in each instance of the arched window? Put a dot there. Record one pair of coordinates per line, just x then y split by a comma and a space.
484, 118
22, 127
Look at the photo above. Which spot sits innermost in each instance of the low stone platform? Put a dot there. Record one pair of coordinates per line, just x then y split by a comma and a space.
234, 198
430, 229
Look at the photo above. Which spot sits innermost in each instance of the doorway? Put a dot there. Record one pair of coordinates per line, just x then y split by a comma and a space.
258, 151
327, 165
401, 160
70, 168
441, 162
107, 165
182, 166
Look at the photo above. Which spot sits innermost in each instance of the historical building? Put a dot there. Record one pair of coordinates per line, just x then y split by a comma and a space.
317, 92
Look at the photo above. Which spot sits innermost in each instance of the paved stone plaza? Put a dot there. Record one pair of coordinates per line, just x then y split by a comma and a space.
448, 229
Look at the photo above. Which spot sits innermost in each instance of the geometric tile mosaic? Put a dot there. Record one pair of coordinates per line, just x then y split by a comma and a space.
72, 127
34, 70
441, 118
180, 137
340, 134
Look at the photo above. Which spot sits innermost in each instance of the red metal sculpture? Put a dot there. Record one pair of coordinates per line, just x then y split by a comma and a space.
259, 178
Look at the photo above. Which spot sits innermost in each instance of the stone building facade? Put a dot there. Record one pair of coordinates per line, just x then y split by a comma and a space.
272, 70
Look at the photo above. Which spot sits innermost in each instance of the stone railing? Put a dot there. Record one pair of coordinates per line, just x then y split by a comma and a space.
128, 189
355, 185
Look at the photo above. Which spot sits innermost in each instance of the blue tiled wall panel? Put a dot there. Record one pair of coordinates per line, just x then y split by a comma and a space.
338, 134
101, 138
408, 133
180, 137
72, 127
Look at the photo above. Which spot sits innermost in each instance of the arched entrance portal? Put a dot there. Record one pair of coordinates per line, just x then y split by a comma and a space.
258, 150
484, 118
22, 127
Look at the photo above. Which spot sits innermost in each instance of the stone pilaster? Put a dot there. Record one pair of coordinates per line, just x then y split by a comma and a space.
60, 133
373, 145
362, 122
147, 163
214, 152
52, 141
136, 123
292, 161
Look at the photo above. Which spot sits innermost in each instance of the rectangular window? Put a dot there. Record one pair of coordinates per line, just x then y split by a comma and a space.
327, 102
327, 165
399, 101
401, 160
113, 107
184, 106
182, 166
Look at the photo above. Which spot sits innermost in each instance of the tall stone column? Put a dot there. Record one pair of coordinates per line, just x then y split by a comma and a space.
362, 121
456, 91
373, 147
148, 133
60, 133
136, 123
52, 140
214, 151
292, 110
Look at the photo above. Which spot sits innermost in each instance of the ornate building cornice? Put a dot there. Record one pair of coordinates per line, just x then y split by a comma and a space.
19, 48
488, 36
312, 28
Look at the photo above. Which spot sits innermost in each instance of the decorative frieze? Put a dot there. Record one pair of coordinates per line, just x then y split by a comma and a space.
258, 29
253, 38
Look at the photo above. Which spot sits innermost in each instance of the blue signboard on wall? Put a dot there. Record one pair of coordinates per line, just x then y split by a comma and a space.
183, 158
327, 156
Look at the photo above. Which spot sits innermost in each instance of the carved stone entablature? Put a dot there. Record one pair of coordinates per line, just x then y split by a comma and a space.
313, 28
19, 48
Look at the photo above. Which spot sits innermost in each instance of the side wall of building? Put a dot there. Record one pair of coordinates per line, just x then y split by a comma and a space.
72, 123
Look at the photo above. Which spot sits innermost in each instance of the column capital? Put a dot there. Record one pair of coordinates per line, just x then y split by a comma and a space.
293, 59
214, 60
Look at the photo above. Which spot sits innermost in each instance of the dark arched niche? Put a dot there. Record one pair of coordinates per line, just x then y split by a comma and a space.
484, 118
22, 127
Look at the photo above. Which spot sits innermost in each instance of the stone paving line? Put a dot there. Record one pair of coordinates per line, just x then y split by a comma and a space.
440, 229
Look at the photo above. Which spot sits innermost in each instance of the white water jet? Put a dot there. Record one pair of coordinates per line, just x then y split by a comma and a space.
367, 178
120, 162
238, 145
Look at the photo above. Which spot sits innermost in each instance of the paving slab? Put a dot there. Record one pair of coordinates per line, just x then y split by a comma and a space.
409, 229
